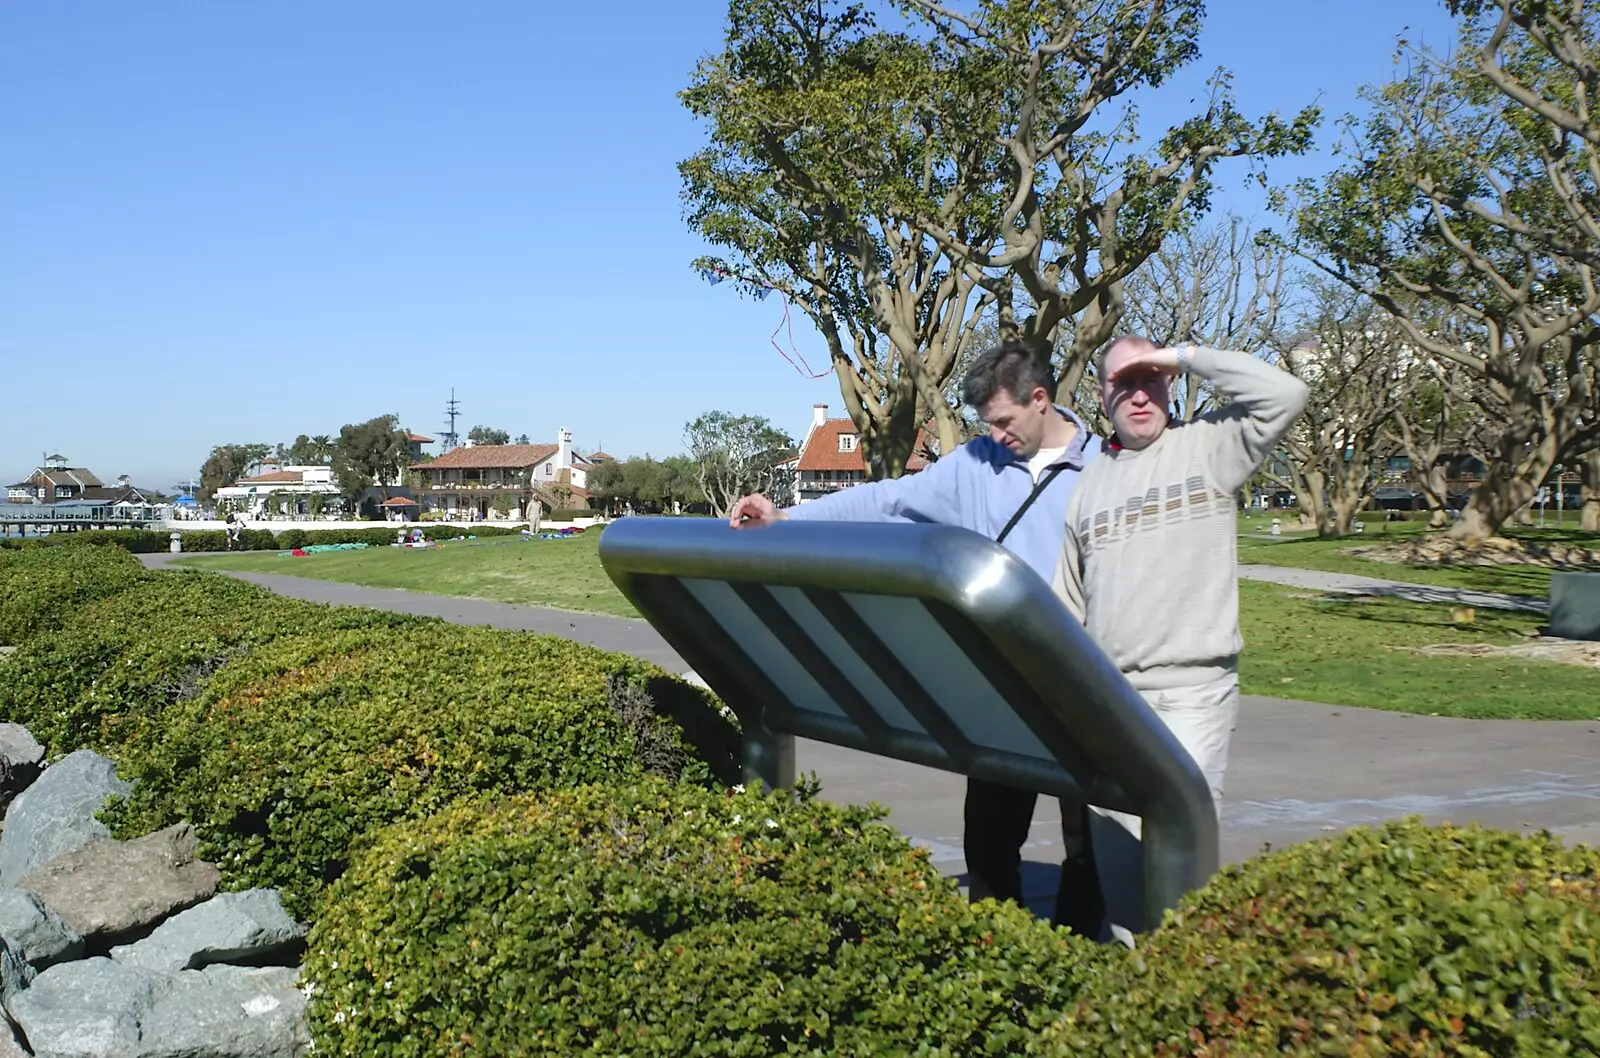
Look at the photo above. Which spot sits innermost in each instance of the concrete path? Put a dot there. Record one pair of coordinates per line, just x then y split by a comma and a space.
1317, 580
1298, 770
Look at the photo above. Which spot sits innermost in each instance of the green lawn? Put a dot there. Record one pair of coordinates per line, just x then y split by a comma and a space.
565, 574
1296, 647
1305, 552
1342, 653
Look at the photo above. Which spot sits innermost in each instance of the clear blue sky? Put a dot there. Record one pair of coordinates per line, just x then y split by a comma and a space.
243, 221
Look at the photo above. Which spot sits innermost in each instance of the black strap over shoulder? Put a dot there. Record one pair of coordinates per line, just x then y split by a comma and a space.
1044, 483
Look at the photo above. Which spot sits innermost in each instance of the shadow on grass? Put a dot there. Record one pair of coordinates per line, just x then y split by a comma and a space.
1487, 623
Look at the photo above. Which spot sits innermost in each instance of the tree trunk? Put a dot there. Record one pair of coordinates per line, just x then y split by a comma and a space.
1589, 501
1509, 486
1342, 515
1436, 493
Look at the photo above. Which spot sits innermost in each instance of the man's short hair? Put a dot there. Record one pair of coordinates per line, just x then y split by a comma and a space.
1010, 366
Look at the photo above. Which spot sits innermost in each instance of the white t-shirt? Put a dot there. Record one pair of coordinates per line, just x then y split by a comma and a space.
1041, 460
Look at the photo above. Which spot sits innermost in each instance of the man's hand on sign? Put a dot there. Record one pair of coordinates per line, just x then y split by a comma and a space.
753, 511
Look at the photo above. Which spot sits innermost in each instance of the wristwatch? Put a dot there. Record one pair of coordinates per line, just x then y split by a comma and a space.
1185, 356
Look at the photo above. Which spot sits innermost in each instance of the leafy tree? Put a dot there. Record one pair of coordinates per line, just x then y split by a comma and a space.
227, 464
735, 455
311, 451
900, 185
522, 439
1469, 211
488, 435
645, 483
371, 453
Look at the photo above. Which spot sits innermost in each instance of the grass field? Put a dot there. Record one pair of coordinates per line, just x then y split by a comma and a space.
1342, 653
1308, 552
565, 574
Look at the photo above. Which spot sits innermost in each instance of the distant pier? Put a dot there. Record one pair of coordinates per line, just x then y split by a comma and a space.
70, 516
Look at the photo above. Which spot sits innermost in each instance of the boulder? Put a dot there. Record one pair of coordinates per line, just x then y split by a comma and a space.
21, 758
56, 814
34, 931
229, 1012
15, 975
247, 927
10, 1044
105, 1009
110, 890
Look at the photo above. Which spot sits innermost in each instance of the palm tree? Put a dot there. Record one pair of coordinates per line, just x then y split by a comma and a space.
322, 448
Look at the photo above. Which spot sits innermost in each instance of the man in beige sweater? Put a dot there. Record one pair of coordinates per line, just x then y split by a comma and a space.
1150, 560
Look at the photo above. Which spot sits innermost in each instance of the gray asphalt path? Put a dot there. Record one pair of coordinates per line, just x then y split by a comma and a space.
1298, 770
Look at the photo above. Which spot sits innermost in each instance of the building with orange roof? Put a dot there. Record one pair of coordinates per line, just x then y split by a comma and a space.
830, 457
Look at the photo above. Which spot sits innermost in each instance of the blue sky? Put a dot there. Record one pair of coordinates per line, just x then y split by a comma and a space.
244, 221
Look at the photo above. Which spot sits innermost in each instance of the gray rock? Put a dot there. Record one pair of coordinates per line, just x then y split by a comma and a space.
10, 1044
92, 1007
34, 931
21, 758
98, 1008
230, 1012
56, 814
15, 975
111, 889
229, 928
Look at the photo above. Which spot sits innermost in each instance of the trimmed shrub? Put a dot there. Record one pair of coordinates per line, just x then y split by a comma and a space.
567, 514
116, 663
290, 539
1406, 939
40, 588
298, 750
653, 920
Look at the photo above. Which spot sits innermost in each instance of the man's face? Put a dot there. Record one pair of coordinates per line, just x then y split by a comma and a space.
1137, 401
1019, 425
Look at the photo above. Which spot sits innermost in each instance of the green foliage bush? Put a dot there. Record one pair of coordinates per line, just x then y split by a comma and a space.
290, 539
40, 588
567, 514
299, 749
653, 920
1402, 940
116, 663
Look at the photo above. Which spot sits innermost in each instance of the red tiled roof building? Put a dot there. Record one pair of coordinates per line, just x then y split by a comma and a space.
830, 457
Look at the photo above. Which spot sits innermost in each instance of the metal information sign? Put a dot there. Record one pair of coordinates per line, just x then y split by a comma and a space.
920, 642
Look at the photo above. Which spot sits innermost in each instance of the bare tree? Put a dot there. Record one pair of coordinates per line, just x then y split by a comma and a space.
1350, 359
1216, 286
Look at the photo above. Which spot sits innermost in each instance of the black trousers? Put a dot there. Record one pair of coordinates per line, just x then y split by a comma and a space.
997, 819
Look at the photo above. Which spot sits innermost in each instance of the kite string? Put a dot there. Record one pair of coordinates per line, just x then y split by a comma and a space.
802, 367
717, 275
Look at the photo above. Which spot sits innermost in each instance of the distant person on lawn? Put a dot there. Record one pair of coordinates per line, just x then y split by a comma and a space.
1150, 563
1012, 486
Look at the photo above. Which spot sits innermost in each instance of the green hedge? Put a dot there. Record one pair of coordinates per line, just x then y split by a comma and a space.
567, 514
116, 663
41, 589
1403, 940
297, 750
652, 920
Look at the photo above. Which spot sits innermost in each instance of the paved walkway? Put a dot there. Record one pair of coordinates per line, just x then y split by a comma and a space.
1317, 580
1298, 770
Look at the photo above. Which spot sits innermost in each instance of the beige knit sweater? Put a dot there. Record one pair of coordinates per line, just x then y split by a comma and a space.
1150, 561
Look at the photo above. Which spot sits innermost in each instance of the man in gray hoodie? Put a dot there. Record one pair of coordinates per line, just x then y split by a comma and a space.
1150, 559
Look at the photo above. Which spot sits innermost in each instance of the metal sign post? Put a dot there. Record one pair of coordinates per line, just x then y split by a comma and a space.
924, 643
